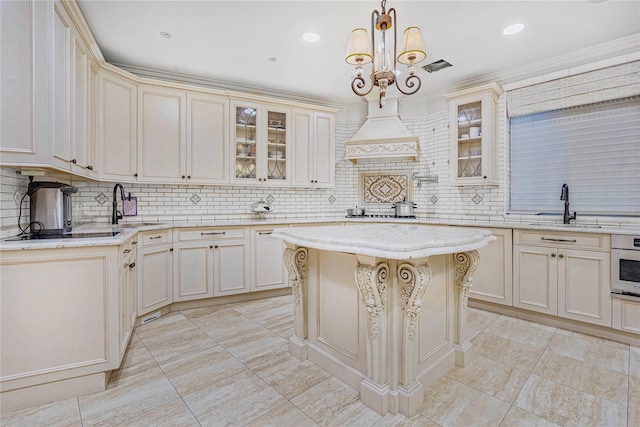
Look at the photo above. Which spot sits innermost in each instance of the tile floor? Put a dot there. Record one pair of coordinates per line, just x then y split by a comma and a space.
229, 365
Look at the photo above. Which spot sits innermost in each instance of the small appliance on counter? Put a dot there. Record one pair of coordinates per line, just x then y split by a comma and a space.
402, 210
260, 208
50, 207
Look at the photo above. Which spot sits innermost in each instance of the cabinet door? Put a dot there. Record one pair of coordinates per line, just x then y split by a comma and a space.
302, 148
535, 278
161, 134
626, 315
117, 128
60, 146
193, 271
324, 150
91, 155
231, 267
268, 263
127, 307
207, 139
584, 293
492, 280
155, 278
79, 93
273, 152
245, 132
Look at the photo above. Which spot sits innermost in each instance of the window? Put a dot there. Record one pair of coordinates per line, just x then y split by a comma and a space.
595, 149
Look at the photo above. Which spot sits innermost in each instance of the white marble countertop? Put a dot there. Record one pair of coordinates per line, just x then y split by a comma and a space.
390, 241
129, 229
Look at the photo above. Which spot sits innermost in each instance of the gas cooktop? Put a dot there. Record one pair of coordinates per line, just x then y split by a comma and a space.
374, 215
45, 236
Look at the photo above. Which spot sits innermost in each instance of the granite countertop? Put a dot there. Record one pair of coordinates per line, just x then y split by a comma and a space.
128, 230
390, 241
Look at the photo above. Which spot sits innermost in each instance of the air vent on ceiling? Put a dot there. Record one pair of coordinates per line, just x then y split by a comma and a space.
436, 66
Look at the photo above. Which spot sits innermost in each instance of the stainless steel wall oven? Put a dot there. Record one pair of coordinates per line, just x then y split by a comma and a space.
625, 265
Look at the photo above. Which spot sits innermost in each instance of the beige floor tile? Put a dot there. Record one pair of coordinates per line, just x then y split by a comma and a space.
634, 392
206, 315
170, 414
567, 406
399, 420
233, 401
284, 330
491, 377
450, 403
332, 403
633, 419
583, 376
62, 413
227, 325
503, 350
517, 417
253, 343
598, 351
521, 331
286, 374
478, 321
284, 415
165, 328
199, 367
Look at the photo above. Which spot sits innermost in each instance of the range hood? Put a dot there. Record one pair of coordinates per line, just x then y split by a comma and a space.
383, 136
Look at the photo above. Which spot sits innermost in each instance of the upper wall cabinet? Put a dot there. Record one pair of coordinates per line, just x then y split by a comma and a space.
473, 135
24, 108
117, 124
260, 140
313, 149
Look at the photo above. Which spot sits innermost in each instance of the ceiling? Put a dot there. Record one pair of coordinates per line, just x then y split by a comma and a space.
229, 43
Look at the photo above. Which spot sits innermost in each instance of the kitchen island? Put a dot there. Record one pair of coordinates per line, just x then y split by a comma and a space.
382, 306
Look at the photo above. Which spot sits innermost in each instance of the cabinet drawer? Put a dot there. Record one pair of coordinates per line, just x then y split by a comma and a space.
210, 234
156, 237
555, 239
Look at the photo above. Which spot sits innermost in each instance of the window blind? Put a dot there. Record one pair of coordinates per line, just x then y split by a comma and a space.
595, 149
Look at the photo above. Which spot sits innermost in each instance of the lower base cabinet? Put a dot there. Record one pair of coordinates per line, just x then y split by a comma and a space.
492, 280
231, 267
127, 294
155, 274
269, 271
556, 278
625, 315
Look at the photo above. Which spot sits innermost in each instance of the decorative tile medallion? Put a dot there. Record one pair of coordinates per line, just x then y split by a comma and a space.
332, 199
195, 199
384, 188
434, 199
477, 199
270, 199
101, 198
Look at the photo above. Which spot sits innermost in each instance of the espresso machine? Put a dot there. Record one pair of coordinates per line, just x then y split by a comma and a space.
50, 208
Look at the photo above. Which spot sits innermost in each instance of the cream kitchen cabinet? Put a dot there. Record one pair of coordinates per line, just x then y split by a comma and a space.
261, 141
492, 280
60, 315
211, 262
117, 124
313, 149
155, 275
161, 133
563, 274
473, 134
267, 260
626, 314
127, 281
24, 83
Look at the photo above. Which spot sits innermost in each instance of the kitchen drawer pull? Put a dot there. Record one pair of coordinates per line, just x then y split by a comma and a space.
265, 232
213, 233
559, 240
155, 237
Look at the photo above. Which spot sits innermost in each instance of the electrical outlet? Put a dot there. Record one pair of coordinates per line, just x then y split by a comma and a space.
17, 196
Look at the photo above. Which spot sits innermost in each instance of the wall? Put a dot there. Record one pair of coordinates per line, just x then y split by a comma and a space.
179, 202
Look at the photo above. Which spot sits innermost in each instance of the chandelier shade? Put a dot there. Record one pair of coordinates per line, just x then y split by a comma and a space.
383, 58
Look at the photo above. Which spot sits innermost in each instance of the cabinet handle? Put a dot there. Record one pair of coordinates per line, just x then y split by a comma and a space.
560, 256
553, 255
132, 265
155, 237
135, 175
265, 232
74, 161
212, 233
559, 240
126, 251
89, 167
135, 242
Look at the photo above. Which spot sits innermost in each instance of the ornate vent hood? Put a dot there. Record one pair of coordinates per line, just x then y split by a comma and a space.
382, 136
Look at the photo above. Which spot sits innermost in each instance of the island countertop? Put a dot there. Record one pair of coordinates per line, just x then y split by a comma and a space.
391, 241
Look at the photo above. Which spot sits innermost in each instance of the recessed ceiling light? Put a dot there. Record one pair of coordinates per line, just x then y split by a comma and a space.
513, 29
311, 37
165, 35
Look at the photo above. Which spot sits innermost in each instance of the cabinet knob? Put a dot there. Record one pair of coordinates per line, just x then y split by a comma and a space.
183, 176
188, 176
560, 256
216, 246
74, 161
132, 265
89, 167
135, 175
485, 177
135, 242
553, 255
211, 247
171, 250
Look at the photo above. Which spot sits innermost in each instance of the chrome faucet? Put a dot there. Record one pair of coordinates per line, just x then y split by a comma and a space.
115, 215
564, 195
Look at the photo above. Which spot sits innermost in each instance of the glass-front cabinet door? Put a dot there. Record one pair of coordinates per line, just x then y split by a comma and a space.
261, 139
473, 136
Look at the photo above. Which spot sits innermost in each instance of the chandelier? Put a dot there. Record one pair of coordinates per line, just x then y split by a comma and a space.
384, 71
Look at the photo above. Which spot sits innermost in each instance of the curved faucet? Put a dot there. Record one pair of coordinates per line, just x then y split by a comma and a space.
115, 216
564, 195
